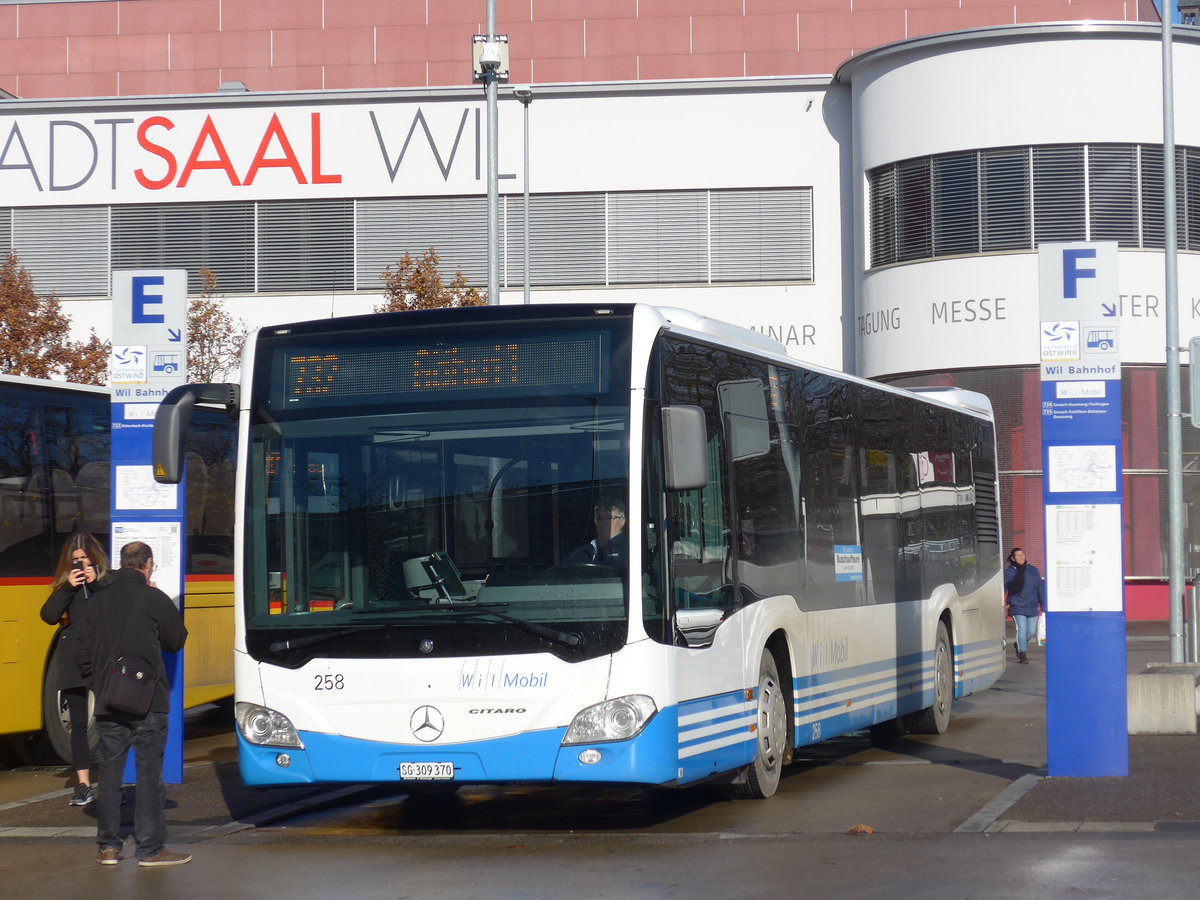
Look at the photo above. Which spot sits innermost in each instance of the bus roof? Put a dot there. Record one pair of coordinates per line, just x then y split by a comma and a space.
49, 384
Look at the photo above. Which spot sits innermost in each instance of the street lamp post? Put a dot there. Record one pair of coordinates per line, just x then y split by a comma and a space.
1175, 546
524, 93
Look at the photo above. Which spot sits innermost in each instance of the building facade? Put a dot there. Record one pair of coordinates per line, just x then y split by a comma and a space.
119, 48
884, 219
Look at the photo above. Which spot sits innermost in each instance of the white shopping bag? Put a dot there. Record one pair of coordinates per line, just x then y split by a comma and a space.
1041, 630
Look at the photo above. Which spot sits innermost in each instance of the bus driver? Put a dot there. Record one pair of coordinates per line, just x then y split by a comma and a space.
611, 544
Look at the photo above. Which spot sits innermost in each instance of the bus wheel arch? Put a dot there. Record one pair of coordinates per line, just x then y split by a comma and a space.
935, 719
774, 737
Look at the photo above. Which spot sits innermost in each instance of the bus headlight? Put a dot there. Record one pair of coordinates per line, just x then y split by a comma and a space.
612, 720
265, 727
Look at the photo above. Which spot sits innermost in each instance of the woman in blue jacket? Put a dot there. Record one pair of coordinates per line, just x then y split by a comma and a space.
1025, 595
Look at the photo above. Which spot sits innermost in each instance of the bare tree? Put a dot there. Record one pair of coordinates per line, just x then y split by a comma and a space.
215, 337
417, 284
35, 333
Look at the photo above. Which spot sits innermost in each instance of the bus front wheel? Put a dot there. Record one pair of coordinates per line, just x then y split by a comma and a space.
760, 779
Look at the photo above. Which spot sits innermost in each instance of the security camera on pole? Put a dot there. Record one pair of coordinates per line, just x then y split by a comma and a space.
489, 54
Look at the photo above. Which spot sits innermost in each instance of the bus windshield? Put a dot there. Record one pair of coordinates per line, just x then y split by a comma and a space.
410, 495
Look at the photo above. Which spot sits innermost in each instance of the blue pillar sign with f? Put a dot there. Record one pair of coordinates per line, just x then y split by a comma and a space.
1079, 339
149, 358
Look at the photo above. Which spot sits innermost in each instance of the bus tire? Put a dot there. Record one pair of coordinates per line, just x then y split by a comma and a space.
56, 718
936, 719
760, 779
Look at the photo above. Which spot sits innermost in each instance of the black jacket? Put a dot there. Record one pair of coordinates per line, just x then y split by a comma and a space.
615, 553
72, 601
127, 617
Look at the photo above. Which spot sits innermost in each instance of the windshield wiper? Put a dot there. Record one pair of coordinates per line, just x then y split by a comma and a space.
311, 639
566, 638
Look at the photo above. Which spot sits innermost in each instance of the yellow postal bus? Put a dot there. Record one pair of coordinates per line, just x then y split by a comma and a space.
54, 479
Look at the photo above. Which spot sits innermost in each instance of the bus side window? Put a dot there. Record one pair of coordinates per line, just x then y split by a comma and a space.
830, 483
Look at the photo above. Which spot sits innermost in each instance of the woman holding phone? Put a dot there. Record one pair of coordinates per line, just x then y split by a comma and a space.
82, 565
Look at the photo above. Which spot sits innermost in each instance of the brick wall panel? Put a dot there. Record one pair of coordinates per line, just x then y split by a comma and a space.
330, 46
245, 49
257, 15
639, 37
366, 75
579, 10
693, 65
35, 56
169, 16
63, 20
170, 81
58, 84
123, 53
737, 34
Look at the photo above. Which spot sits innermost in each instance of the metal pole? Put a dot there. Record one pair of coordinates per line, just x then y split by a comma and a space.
1176, 584
493, 167
526, 99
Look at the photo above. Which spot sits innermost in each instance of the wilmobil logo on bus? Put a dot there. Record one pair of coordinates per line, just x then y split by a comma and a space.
830, 653
486, 680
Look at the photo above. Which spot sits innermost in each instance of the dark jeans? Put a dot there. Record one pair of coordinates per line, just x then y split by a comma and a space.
148, 737
77, 706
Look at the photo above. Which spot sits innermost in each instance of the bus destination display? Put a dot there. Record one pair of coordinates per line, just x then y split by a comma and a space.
571, 364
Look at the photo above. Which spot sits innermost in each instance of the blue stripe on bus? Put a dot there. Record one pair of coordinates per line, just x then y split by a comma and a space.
648, 758
715, 735
848, 699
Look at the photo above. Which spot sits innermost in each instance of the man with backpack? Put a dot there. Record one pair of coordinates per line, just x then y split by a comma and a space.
129, 624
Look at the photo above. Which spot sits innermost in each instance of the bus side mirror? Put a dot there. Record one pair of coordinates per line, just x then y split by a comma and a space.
685, 448
173, 418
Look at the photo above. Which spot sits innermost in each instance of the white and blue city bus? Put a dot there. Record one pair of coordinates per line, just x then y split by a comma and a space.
808, 554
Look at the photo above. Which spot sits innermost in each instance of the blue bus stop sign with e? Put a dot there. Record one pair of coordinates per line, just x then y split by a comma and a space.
1079, 337
149, 358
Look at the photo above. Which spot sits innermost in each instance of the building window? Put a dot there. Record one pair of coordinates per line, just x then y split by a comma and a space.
955, 210
1014, 198
319, 246
566, 239
1112, 204
64, 249
387, 229
306, 245
761, 235
192, 236
1004, 199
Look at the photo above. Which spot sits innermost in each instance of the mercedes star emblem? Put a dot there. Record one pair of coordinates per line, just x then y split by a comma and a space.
427, 723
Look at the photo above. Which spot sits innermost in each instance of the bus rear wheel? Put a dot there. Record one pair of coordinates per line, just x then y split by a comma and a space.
936, 719
760, 779
56, 717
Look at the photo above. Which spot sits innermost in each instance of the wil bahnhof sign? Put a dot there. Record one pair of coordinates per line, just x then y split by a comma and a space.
1086, 715
149, 358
